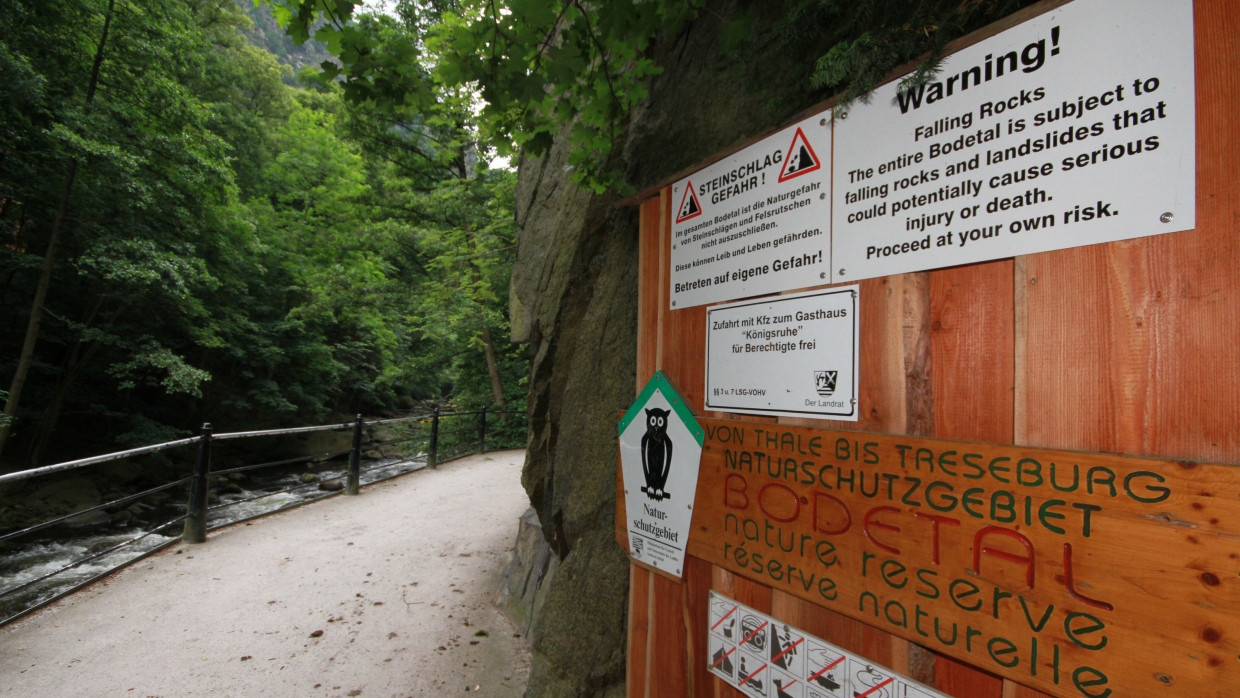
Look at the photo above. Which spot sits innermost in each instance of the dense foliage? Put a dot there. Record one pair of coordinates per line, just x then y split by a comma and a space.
185, 236
192, 230
540, 65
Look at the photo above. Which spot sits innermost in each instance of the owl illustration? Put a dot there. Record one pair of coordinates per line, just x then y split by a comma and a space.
656, 454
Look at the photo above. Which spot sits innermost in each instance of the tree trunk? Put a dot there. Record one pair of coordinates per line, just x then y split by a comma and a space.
26, 357
71, 369
497, 385
488, 342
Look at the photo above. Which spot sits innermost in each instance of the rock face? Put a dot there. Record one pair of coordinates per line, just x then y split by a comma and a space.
522, 581
574, 298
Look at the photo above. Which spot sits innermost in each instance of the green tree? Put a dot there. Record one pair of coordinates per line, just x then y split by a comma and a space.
137, 161
464, 297
230, 247
22, 370
115, 175
540, 66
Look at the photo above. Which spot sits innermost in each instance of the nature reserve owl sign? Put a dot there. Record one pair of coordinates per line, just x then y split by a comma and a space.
660, 450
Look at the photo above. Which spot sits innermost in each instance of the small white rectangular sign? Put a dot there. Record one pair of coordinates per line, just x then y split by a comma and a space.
792, 355
1074, 128
755, 222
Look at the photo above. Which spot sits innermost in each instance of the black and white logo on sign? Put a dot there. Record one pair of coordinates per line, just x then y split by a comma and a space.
824, 382
656, 454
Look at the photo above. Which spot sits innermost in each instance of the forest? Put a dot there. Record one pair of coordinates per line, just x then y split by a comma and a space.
196, 229
266, 213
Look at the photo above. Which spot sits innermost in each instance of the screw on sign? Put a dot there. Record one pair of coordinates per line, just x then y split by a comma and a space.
869, 682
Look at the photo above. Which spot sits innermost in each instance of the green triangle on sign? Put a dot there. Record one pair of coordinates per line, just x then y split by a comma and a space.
659, 382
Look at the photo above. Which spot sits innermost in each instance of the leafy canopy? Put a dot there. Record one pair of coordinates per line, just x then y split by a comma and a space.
540, 66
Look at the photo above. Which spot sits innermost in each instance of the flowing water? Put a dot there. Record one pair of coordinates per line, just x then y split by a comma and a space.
50, 550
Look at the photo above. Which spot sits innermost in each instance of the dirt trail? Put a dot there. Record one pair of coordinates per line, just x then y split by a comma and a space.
389, 593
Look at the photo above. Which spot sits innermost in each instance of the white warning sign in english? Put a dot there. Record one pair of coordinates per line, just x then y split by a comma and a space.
756, 222
1074, 128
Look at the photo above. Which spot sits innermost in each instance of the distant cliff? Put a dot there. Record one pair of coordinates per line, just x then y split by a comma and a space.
268, 35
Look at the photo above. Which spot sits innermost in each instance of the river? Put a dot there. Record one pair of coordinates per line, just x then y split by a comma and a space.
50, 550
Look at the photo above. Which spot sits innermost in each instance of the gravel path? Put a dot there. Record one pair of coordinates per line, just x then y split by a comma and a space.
390, 593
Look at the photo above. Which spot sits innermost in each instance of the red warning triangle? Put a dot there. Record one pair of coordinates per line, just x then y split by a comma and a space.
690, 207
800, 158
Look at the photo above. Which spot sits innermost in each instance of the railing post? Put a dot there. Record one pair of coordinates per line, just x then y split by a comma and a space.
353, 482
195, 530
482, 431
432, 458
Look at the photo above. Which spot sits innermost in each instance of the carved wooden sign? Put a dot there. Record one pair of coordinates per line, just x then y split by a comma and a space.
1082, 574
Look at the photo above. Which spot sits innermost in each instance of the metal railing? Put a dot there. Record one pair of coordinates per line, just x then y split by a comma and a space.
418, 441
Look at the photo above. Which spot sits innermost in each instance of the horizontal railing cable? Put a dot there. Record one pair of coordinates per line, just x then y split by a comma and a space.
289, 461
395, 442
264, 495
94, 578
70, 465
74, 515
398, 420
434, 443
281, 432
92, 557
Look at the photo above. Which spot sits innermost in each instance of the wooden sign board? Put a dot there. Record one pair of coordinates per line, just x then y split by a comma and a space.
1081, 574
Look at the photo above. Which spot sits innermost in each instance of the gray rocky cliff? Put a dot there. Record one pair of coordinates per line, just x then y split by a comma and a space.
573, 300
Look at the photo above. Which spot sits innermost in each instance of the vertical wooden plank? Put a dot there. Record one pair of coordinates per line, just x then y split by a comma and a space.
648, 298
669, 643
696, 614
895, 396
1132, 346
650, 293
972, 345
881, 394
894, 389
639, 640
715, 687
1198, 406
738, 588
972, 348
683, 353
664, 271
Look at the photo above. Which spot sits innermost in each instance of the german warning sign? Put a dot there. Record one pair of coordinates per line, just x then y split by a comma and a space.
660, 450
689, 205
800, 158
756, 222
